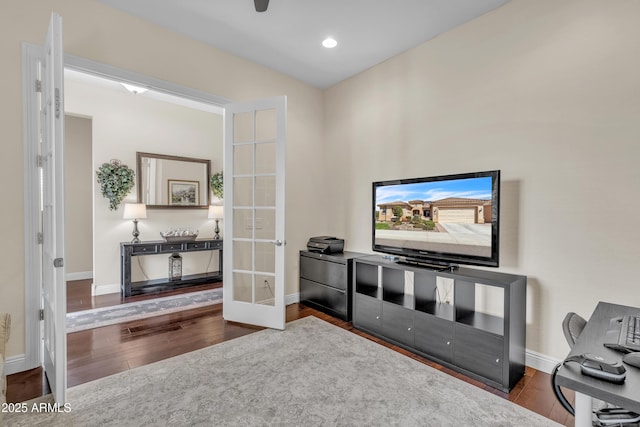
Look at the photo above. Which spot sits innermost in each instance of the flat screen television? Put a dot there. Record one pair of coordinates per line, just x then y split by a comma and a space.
439, 220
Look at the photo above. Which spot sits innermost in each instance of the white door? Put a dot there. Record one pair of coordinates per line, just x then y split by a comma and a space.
254, 261
54, 293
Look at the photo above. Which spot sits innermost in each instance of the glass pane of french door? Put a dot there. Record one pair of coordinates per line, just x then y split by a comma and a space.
254, 201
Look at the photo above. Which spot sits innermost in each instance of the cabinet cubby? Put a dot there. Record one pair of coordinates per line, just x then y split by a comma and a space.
393, 288
472, 321
426, 297
366, 280
467, 312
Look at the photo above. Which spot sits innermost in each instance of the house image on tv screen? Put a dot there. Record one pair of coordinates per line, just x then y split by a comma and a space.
454, 210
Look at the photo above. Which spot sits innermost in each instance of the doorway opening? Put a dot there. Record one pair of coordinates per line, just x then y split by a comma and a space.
126, 122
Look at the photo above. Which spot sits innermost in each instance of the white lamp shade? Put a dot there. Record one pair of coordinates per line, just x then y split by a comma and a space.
134, 211
215, 212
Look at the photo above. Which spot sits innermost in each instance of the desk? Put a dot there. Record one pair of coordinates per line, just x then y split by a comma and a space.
128, 250
626, 395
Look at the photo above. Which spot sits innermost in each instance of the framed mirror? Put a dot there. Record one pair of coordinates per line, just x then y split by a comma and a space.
173, 182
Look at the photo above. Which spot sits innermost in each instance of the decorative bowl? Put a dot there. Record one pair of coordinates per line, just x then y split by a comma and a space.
176, 236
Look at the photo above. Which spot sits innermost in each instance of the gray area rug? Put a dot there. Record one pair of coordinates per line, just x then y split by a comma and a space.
105, 316
311, 374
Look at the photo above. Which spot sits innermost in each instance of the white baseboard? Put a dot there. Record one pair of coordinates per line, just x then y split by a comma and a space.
15, 364
113, 288
81, 275
541, 362
288, 300
292, 298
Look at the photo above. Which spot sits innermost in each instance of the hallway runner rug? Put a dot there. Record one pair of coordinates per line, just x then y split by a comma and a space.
105, 316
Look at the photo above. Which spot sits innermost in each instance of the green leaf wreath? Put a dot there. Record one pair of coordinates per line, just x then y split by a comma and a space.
116, 181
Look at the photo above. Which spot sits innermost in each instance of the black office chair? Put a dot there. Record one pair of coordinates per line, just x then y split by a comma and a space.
605, 414
572, 326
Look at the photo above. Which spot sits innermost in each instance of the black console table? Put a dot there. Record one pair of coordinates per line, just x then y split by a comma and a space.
129, 250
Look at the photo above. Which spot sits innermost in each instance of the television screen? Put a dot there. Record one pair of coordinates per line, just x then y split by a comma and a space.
443, 220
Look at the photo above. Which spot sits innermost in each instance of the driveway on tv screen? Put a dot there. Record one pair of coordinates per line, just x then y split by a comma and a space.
476, 237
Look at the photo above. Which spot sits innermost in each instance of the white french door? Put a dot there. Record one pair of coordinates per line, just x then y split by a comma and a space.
54, 293
254, 203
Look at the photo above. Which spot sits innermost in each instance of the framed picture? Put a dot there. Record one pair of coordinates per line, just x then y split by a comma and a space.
184, 193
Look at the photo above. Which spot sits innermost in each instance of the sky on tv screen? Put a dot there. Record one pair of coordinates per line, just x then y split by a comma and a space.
472, 188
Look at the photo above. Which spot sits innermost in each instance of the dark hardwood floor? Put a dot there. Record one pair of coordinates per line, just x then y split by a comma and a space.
100, 352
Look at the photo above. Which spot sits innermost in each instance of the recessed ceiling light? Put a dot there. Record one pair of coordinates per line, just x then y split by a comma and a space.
329, 42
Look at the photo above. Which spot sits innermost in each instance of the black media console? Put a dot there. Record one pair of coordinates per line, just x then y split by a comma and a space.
472, 321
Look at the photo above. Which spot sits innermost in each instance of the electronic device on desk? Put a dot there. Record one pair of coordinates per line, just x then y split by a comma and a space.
623, 334
325, 245
597, 367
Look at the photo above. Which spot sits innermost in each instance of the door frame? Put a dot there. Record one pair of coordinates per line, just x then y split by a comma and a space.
31, 55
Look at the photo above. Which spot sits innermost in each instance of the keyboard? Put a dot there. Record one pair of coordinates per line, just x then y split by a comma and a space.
624, 334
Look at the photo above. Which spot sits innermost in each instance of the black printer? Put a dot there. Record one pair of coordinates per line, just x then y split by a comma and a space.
325, 245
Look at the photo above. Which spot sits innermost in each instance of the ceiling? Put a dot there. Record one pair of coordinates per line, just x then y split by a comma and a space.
287, 37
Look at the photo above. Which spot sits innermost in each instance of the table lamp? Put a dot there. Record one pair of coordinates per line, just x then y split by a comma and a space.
135, 211
216, 212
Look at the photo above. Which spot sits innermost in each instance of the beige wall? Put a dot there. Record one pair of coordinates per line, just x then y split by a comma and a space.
94, 31
79, 176
547, 91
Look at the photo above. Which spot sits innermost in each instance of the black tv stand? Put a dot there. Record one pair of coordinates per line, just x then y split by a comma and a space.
471, 321
430, 266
